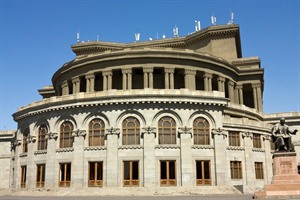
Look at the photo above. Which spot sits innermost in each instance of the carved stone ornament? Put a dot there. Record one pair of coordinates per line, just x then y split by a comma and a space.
219, 131
14, 143
266, 137
149, 130
31, 138
51, 136
185, 130
112, 131
78, 133
247, 135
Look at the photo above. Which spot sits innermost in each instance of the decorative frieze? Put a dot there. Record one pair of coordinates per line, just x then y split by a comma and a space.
235, 148
202, 147
126, 147
95, 148
63, 150
40, 152
247, 135
258, 150
167, 146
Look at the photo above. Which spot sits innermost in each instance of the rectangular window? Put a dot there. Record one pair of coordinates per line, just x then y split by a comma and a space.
234, 138
168, 173
259, 171
64, 174
24, 144
203, 172
236, 169
40, 175
131, 173
256, 141
95, 174
23, 176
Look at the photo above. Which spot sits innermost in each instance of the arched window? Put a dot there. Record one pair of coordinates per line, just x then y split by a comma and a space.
42, 141
66, 139
96, 132
131, 131
167, 130
201, 131
24, 140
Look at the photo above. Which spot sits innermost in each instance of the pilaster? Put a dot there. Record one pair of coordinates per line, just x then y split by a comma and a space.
187, 172
221, 163
65, 88
221, 84
149, 136
231, 90
190, 79
76, 84
112, 136
268, 168
51, 167
31, 169
248, 165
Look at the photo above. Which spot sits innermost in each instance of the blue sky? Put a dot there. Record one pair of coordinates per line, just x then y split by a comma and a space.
36, 35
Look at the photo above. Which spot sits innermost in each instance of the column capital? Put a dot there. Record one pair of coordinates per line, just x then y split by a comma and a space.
169, 70
64, 84
239, 86
126, 71
247, 135
221, 78
230, 82
148, 69
256, 85
75, 79
78, 133
112, 131
219, 131
51, 135
90, 75
207, 75
107, 72
190, 72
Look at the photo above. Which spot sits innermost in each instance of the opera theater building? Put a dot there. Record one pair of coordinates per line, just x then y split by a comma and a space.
182, 112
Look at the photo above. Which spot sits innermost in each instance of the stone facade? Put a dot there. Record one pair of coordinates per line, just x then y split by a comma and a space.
5, 157
181, 112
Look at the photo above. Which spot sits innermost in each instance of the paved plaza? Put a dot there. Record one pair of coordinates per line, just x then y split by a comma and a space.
198, 197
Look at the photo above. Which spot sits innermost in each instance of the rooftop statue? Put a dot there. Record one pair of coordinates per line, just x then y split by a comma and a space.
281, 136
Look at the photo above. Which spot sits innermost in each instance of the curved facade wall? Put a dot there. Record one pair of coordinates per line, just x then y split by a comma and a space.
182, 112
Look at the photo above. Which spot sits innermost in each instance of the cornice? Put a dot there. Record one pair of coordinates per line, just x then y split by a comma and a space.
108, 98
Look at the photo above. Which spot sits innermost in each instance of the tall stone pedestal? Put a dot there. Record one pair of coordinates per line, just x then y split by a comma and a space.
286, 180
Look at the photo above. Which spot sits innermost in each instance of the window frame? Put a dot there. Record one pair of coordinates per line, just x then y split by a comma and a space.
65, 176
201, 132
95, 182
94, 140
234, 138
23, 176
131, 182
259, 170
257, 141
236, 170
66, 135
40, 175
203, 181
168, 181
42, 140
126, 131
163, 131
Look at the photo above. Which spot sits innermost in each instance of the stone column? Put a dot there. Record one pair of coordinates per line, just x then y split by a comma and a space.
149, 136
112, 136
248, 164
169, 78
148, 77
231, 90
190, 79
187, 172
222, 170
207, 81
240, 94
268, 168
257, 96
107, 80
236, 96
65, 88
76, 84
90, 82
77, 162
127, 82
221, 86
51, 166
